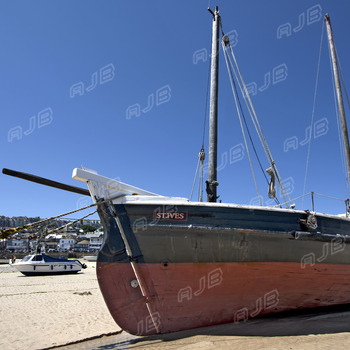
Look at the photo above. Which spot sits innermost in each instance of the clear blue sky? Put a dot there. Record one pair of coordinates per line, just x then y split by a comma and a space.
74, 73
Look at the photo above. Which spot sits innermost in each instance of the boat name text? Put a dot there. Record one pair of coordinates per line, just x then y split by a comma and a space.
176, 215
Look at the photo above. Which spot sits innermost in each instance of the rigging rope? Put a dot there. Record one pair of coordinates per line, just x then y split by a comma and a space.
257, 126
245, 122
201, 182
317, 194
35, 235
7, 232
200, 162
259, 130
195, 177
70, 223
313, 113
234, 91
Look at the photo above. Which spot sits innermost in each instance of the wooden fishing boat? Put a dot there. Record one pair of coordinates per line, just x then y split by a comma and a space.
170, 264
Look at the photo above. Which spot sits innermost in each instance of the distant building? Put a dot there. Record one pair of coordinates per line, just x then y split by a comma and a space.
53, 237
66, 243
82, 245
95, 239
17, 244
65, 240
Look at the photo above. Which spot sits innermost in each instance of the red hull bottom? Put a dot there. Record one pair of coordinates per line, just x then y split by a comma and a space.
189, 295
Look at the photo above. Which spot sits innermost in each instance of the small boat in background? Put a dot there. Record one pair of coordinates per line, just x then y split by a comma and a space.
42, 264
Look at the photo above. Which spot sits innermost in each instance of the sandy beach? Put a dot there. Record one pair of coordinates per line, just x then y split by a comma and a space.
45, 311
69, 312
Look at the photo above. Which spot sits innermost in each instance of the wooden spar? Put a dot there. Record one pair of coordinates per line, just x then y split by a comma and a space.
339, 93
46, 182
212, 169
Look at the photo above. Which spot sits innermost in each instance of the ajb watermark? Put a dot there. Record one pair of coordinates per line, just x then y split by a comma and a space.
105, 74
149, 324
202, 55
276, 76
212, 279
43, 118
162, 95
336, 245
289, 188
320, 128
266, 302
310, 16
235, 154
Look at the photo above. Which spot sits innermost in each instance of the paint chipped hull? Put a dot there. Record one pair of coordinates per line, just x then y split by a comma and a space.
209, 265
186, 296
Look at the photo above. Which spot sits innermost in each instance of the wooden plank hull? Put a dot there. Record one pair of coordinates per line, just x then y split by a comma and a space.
192, 295
207, 265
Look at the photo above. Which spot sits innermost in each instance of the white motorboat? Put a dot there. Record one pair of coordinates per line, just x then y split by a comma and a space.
42, 264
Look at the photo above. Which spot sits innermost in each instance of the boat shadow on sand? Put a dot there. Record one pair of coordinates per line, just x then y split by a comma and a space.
325, 320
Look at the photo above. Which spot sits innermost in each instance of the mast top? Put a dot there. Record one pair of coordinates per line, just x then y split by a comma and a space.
216, 11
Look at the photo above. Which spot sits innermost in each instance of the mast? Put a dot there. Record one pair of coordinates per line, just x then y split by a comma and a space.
339, 93
213, 116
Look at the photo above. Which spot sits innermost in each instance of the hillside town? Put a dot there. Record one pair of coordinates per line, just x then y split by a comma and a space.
60, 236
